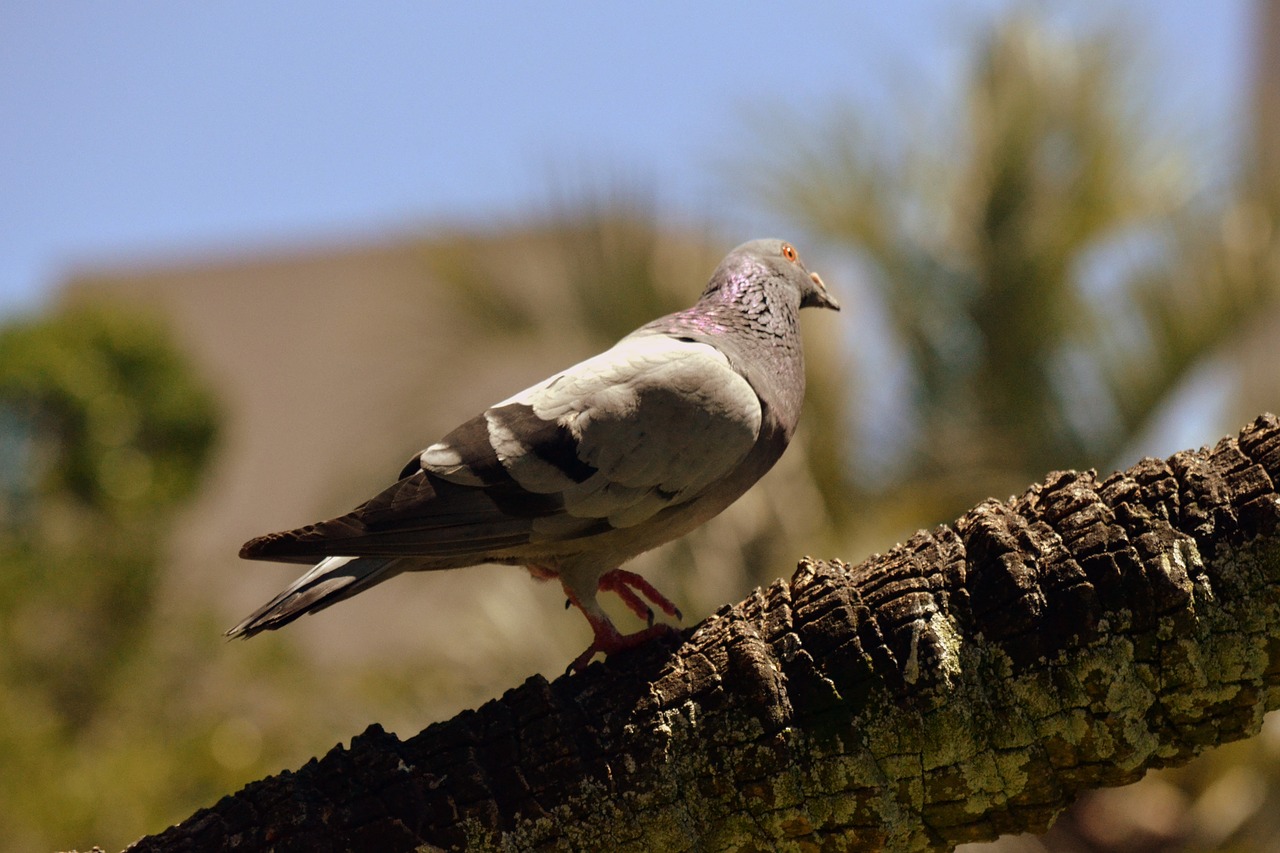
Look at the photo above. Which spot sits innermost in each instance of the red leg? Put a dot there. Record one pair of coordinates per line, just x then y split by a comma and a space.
626, 584
633, 602
607, 638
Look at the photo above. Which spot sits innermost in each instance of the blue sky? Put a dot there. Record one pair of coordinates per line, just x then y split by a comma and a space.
138, 130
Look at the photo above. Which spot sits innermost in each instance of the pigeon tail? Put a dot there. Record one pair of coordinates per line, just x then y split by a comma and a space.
331, 581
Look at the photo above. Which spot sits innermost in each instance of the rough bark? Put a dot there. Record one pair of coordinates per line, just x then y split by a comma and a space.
968, 683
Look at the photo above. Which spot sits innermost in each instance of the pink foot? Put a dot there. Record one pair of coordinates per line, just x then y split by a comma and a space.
610, 642
627, 584
607, 638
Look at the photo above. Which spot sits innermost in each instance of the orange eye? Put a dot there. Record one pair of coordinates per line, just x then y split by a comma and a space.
789, 252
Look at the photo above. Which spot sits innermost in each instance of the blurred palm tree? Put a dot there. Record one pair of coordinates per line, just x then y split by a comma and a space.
1043, 272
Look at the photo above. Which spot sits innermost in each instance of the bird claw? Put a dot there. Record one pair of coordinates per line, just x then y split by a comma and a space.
628, 584
609, 641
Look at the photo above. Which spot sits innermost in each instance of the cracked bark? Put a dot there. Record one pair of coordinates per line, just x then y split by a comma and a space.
970, 682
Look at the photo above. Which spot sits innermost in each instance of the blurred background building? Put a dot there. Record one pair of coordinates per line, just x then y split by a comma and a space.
251, 261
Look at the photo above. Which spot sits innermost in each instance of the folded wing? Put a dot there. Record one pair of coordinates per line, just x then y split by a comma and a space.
610, 443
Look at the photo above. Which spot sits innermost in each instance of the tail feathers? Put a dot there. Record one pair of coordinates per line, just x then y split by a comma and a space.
331, 581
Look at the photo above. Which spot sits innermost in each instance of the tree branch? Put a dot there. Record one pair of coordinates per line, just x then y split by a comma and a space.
969, 683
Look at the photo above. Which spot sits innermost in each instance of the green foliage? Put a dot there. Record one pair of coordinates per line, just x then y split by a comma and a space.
104, 431
984, 243
109, 431
114, 723
116, 422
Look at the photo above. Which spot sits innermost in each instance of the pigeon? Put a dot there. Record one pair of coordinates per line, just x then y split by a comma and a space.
577, 474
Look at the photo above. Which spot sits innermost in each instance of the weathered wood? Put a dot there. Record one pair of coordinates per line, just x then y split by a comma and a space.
968, 683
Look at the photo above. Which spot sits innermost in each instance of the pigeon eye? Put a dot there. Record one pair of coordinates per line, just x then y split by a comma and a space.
789, 252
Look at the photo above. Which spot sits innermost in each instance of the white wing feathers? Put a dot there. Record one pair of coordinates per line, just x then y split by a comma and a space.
650, 423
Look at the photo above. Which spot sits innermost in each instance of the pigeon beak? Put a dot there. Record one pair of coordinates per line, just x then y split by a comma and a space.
819, 297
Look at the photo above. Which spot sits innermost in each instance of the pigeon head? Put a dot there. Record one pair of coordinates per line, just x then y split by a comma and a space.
781, 263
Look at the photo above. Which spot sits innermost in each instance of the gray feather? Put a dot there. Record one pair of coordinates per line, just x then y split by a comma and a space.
606, 459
